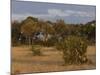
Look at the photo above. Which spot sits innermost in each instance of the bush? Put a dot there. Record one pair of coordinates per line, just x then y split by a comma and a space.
51, 41
74, 50
36, 51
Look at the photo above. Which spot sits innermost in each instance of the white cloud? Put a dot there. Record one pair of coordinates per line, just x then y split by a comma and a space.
80, 13
61, 13
52, 13
57, 12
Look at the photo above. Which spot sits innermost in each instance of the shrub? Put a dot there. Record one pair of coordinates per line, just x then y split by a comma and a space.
36, 51
51, 41
74, 50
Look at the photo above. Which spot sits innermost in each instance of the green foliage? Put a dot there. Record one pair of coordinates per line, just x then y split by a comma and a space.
28, 26
74, 49
60, 27
89, 31
15, 30
36, 50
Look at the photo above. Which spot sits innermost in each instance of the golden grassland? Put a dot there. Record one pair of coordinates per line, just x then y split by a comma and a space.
51, 60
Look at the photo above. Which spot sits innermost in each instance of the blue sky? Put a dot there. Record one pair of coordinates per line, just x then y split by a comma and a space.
53, 11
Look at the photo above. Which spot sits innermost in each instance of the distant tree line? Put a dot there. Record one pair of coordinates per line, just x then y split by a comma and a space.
34, 31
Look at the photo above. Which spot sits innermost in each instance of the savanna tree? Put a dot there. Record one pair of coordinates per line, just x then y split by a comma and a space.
29, 26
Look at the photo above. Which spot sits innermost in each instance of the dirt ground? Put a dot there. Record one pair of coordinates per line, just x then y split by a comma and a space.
24, 62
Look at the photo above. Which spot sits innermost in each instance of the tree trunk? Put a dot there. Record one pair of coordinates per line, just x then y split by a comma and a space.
29, 41
46, 38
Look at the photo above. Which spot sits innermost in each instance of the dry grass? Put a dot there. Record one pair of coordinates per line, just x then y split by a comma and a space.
24, 62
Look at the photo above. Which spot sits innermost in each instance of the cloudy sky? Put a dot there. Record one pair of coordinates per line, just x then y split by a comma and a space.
51, 11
